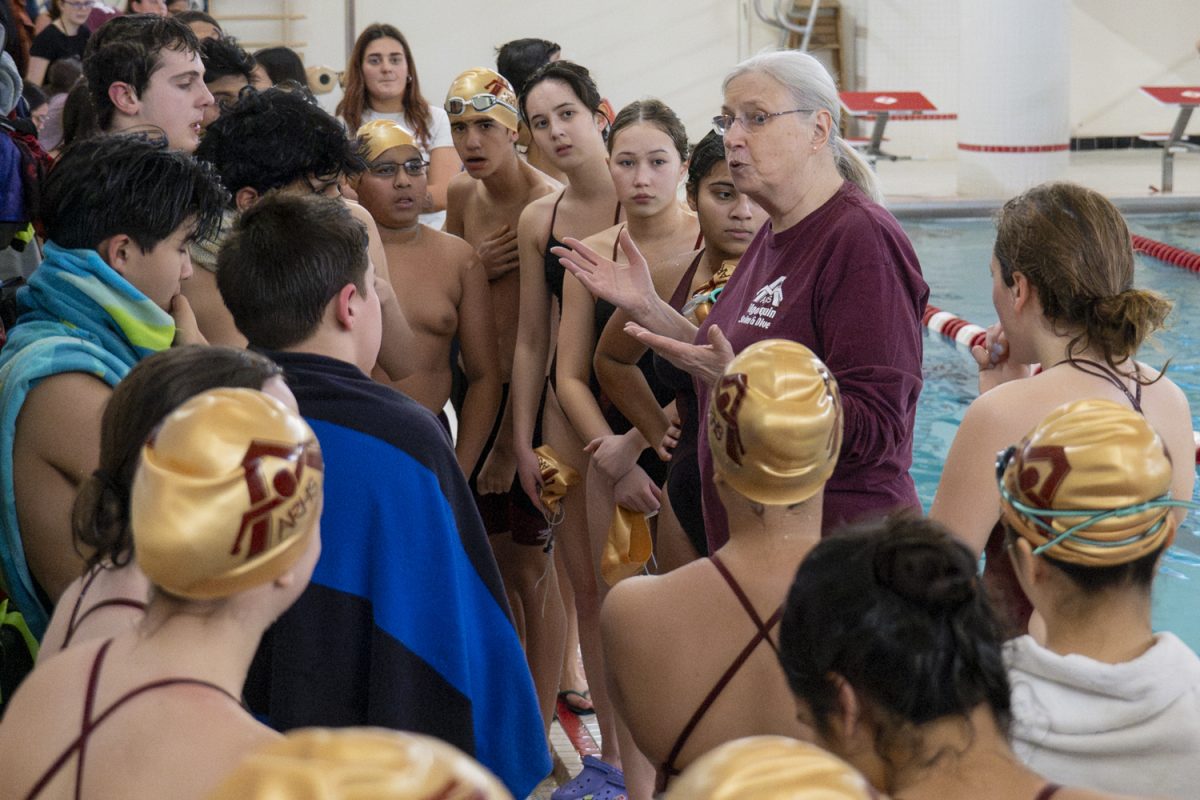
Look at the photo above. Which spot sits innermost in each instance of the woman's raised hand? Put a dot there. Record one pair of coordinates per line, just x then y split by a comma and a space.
704, 361
628, 286
995, 366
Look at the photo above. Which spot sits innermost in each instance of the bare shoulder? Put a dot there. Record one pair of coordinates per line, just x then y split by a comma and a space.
461, 188
537, 212
666, 272
63, 407
604, 240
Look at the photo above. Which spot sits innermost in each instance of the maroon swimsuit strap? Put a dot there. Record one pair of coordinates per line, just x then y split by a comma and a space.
90, 723
1048, 791
684, 287
668, 769
77, 619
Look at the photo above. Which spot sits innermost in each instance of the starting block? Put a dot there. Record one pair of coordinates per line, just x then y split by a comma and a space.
1185, 98
883, 106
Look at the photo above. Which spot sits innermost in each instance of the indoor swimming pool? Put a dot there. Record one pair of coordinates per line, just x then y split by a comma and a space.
954, 256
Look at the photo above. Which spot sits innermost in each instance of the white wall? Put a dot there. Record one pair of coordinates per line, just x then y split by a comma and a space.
680, 52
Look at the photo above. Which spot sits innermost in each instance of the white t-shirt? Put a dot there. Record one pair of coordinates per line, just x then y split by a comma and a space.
439, 136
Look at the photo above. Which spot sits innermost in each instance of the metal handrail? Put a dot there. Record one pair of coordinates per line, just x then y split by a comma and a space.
782, 20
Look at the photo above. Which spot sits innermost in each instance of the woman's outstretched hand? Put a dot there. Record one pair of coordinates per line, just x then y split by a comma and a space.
627, 286
704, 361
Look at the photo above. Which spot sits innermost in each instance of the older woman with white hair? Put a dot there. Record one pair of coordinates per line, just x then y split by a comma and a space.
832, 270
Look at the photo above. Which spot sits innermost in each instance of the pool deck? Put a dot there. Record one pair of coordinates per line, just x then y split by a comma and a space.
928, 188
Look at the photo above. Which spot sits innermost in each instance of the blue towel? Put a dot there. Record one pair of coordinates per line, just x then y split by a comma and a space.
76, 315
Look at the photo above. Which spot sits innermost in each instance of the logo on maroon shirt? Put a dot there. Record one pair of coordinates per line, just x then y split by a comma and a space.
266, 522
762, 310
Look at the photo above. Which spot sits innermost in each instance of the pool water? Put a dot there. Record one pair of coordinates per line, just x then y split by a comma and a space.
954, 256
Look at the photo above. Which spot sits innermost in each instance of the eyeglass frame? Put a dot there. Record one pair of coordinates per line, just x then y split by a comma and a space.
407, 166
494, 101
721, 128
78, 3
1035, 514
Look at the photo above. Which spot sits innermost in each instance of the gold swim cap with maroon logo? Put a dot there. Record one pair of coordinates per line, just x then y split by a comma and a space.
227, 495
775, 423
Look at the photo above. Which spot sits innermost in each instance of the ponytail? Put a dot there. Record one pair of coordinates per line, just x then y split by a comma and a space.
854, 168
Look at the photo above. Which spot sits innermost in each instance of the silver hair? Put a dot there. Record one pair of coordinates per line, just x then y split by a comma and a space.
812, 87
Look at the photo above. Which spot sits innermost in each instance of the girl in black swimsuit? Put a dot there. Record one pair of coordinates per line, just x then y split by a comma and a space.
225, 515
893, 653
728, 221
110, 597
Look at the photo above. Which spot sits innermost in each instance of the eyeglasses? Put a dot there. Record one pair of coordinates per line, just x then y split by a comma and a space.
1039, 516
388, 169
753, 121
480, 102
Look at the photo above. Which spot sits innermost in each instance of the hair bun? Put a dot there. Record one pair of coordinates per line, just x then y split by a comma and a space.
938, 575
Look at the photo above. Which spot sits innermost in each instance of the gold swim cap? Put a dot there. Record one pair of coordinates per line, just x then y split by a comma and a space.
227, 495
1094, 457
770, 768
557, 478
359, 764
482, 92
775, 423
380, 135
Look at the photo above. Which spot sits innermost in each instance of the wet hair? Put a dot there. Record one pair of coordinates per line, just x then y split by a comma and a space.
520, 58
62, 75
34, 96
127, 184
895, 608
78, 116
129, 50
811, 86
287, 257
652, 112
224, 57
282, 64
269, 139
707, 153
354, 98
154, 388
188, 17
1073, 246
576, 77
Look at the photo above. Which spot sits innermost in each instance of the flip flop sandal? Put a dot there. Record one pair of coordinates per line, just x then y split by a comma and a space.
596, 781
575, 708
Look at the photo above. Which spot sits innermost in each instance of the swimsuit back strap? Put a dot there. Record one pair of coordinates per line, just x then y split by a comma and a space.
73, 621
617, 242
699, 240
114, 601
1099, 370
79, 745
616, 214
668, 769
1048, 791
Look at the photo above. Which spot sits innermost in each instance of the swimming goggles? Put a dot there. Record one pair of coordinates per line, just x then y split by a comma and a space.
480, 102
701, 298
1039, 516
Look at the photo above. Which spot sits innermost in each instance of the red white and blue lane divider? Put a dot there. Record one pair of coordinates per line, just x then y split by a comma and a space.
1167, 253
968, 334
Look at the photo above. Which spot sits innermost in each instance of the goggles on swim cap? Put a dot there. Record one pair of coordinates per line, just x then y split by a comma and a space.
1090, 485
775, 423
705, 297
485, 92
227, 495
480, 102
356, 763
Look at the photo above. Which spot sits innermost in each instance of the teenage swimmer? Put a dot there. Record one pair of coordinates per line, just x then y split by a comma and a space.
1062, 284
225, 512
728, 221
1102, 700
702, 669
894, 656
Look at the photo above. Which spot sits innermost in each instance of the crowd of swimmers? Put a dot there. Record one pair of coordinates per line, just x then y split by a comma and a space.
340, 452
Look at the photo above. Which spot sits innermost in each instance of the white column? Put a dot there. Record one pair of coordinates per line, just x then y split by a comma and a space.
1014, 88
